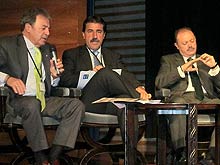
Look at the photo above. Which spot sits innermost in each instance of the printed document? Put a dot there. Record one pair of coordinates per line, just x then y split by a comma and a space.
85, 76
134, 100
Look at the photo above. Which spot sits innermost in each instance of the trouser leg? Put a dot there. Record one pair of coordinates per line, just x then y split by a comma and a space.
70, 112
28, 108
178, 130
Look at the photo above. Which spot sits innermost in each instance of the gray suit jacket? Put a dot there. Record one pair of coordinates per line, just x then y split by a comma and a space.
168, 77
14, 60
78, 59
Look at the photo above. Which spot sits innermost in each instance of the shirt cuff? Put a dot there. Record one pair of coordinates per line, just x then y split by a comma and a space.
180, 71
214, 71
3, 77
55, 81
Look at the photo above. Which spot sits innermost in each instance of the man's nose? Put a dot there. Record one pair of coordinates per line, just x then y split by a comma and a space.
47, 31
94, 35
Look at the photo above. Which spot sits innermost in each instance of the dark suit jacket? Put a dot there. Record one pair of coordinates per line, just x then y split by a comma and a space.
14, 60
168, 76
78, 59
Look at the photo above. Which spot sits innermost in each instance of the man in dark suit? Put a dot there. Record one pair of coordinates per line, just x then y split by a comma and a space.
105, 82
175, 74
19, 71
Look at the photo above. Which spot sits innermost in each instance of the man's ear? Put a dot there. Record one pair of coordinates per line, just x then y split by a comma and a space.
83, 35
175, 44
27, 27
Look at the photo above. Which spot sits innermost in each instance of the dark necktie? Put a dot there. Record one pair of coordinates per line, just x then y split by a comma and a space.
196, 83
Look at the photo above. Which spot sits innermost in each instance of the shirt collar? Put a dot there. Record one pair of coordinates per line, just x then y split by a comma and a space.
99, 50
185, 58
29, 44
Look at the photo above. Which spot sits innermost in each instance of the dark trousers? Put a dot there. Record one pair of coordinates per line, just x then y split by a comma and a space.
177, 123
107, 83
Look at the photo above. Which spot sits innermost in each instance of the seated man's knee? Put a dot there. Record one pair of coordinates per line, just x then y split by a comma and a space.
31, 106
105, 72
75, 106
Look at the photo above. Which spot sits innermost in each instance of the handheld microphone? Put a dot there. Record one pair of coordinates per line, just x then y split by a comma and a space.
54, 57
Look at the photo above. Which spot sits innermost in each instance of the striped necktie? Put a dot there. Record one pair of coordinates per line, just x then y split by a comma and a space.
38, 76
95, 58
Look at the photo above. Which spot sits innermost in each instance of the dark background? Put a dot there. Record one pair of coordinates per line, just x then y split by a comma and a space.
164, 17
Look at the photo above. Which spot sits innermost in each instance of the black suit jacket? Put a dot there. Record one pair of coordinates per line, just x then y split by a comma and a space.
168, 76
78, 59
14, 60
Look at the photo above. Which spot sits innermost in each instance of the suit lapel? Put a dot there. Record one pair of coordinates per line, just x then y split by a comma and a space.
46, 62
107, 58
23, 57
86, 60
179, 60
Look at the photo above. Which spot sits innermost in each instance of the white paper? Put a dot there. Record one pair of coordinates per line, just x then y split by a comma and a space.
121, 100
84, 78
117, 71
119, 105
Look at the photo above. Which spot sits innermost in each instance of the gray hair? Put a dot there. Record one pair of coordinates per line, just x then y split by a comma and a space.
29, 16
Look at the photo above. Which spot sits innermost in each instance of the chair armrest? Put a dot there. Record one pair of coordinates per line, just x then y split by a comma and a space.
163, 94
4, 92
66, 92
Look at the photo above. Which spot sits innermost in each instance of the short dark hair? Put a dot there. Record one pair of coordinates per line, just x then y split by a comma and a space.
94, 19
29, 16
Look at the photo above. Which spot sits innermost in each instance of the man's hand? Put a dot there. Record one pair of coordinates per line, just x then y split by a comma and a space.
17, 85
97, 68
188, 67
208, 60
59, 66
143, 94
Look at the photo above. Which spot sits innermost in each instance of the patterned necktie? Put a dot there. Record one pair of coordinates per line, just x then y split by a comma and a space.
95, 58
38, 77
196, 83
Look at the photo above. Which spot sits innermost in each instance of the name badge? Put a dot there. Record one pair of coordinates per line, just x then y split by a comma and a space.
42, 87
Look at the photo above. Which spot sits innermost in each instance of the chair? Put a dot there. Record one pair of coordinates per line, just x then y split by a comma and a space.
91, 120
12, 125
104, 145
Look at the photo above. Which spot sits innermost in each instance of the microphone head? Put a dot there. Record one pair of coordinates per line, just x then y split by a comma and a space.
52, 48
54, 57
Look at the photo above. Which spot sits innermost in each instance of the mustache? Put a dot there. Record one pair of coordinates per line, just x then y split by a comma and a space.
94, 40
190, 48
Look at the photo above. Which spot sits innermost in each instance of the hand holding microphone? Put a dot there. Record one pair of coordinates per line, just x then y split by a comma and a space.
56, 63
54, 58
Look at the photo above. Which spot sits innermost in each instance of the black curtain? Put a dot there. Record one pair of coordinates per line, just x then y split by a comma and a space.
164, 17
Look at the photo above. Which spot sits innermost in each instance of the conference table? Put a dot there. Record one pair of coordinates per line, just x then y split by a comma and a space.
190, 110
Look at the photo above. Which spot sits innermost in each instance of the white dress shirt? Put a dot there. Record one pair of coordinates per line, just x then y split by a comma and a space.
31, 82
